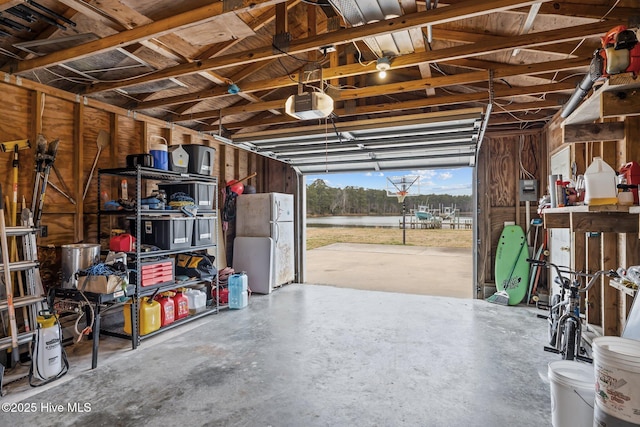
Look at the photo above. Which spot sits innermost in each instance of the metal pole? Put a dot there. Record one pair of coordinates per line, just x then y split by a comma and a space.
404, 225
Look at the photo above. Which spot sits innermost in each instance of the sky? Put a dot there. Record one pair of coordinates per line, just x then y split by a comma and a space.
432, 181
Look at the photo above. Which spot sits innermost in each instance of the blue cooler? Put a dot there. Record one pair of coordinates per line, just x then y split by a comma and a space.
159, 152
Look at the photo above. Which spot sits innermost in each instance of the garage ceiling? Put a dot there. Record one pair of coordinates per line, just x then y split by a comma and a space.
228, 67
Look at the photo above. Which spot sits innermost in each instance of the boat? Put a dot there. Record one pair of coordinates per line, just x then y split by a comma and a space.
423, 214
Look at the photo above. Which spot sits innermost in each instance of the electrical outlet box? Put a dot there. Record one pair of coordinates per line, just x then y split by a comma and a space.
327, 49
528, 190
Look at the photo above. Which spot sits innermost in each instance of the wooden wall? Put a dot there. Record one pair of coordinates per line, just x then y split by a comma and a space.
606, 307
498, 192
30, 109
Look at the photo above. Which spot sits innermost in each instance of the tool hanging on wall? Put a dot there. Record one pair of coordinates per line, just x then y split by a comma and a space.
15, 147
45, 156
102, 141
65, 189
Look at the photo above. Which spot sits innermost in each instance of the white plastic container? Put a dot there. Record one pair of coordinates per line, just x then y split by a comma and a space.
178, 159
600, 184
49, 349
616, 362
197, 300
572, 393
238, 291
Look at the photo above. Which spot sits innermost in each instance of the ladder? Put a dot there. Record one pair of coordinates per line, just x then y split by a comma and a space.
32, 296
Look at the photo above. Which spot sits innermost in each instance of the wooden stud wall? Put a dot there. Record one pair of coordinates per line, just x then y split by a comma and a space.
606, 307
30, 109
498, 192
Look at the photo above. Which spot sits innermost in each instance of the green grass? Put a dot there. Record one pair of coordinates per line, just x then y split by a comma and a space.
442, 238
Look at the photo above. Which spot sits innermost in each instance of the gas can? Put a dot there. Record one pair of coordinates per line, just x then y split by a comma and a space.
167, 308
181, 304
149, 316
122, 243
631, 173
238, 291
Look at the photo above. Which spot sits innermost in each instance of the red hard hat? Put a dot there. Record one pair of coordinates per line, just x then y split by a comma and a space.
237, 188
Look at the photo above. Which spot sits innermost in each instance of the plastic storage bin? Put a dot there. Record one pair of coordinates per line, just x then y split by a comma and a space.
154, 272
202, 192
204, 231
166, 232
201, 158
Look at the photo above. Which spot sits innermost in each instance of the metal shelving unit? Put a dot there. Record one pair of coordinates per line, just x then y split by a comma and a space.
142, 174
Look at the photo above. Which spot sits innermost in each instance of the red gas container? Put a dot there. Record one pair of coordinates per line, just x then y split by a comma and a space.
631, 173
167, 309
181, 303
223, 295
122, 243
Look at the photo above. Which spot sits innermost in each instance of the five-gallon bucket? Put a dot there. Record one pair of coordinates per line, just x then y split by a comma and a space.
76, 257
159, 152
616, 362
600, 184
572, 393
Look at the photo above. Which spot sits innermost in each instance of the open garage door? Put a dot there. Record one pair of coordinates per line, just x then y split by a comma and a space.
422, 141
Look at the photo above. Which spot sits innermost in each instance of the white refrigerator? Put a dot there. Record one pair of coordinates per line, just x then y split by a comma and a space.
266, 215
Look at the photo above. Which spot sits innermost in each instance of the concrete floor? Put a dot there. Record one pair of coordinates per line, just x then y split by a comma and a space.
310, 355
323, 355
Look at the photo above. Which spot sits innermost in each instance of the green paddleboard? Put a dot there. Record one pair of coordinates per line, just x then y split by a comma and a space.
512, 268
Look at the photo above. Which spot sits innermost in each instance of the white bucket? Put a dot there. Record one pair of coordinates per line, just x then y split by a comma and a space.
572, 393
616, 362
600, 184
602, 419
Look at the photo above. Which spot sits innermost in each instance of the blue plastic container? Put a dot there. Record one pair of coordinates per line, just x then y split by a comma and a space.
159, 152
238, 291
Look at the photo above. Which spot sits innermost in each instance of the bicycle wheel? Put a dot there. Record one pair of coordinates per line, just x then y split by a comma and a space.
554, 315
569, 340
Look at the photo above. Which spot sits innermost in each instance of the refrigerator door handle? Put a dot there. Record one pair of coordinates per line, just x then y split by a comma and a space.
276, 231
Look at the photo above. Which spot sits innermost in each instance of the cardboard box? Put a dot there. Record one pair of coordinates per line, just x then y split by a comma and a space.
100, 284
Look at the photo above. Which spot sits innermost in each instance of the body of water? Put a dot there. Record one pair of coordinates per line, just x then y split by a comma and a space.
370, 221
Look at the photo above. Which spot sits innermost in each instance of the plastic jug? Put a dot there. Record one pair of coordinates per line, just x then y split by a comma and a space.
167, 308
600, 184
159, 152
238, 287
181, 304
149, 316
197, 301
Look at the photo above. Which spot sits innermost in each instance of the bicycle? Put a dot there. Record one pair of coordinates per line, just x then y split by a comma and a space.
565, 324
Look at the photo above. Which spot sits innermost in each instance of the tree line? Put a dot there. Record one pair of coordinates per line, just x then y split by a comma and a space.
324, 200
